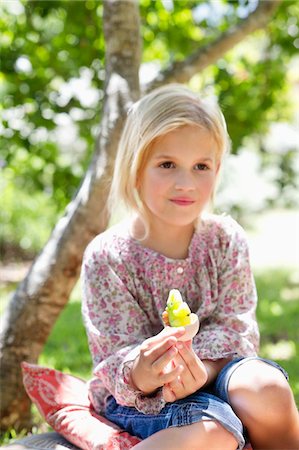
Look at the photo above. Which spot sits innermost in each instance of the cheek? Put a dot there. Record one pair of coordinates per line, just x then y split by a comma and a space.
155, 183
207, 185
150, 187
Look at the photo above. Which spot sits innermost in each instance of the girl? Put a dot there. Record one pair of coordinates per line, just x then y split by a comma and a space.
213, 392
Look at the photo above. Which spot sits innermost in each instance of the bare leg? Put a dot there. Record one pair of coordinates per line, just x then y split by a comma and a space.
198, 436
263, 400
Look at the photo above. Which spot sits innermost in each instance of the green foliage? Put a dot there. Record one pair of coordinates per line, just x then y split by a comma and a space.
238, 81
26, 219
48, 129
51, 87
278, 313
43, 47
10, 436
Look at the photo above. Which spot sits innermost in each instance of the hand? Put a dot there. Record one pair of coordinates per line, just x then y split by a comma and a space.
192, 377
152, 368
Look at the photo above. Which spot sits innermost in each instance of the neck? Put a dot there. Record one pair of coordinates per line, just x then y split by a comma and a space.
172, 242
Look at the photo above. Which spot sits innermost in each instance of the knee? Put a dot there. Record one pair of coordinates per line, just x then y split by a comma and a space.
215, 436
260, 391
220, 435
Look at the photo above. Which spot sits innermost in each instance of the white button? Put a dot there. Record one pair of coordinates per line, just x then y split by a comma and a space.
180, 270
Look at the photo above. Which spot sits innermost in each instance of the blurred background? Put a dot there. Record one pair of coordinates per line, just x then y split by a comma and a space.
51, 89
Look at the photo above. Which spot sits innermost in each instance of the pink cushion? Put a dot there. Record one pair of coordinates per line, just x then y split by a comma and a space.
62, 400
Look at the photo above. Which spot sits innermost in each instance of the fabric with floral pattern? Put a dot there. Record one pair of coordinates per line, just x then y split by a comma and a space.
125, 288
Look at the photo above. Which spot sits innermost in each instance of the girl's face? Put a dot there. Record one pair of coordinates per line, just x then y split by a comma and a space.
179, 176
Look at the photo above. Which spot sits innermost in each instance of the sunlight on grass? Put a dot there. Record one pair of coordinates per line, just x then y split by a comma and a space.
67, 348
283, 350
11, 435
278, 317
290, 295
277, 314
276, 309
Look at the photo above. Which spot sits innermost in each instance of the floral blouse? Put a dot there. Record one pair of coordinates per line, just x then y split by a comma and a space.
125, 288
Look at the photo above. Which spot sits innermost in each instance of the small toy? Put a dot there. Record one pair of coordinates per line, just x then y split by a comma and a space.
178, 314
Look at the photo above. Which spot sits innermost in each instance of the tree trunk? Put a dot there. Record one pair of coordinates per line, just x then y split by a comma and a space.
44, 292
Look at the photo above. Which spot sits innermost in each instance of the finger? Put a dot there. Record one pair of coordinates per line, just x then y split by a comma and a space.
168, 395
158, 350
150, 344
190, 359
188, 344
172, 331
192, 378
171, 375
168, 332
186, 377
168, 368
176, 385
178, 389
160, 363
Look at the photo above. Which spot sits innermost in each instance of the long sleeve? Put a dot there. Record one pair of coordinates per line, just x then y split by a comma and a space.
115, 324
231, 330
125, 288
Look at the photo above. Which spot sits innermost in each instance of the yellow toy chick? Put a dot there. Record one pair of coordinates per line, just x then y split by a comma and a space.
178, 311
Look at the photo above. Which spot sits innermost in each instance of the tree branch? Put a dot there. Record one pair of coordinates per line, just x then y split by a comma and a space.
39, 299
182, 71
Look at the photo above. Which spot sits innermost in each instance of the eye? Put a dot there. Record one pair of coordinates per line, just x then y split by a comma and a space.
167, 165
201, 166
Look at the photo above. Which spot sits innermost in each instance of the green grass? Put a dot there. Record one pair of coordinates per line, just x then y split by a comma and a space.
277, 314
278, 318
66, 348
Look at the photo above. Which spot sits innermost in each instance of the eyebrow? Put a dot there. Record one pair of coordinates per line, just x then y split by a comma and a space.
168, 157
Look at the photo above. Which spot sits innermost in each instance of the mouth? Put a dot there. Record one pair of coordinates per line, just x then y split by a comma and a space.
182, 201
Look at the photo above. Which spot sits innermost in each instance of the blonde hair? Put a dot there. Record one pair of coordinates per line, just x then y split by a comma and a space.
157, 113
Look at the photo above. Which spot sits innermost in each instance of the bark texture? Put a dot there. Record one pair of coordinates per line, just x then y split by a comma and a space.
44, 292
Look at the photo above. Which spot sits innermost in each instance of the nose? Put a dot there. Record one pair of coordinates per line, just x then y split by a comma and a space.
185, 181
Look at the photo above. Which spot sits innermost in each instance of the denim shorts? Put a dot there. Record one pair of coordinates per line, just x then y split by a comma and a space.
210, 404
